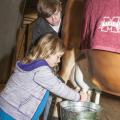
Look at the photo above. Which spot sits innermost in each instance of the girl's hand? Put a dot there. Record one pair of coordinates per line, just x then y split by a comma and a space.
84, 96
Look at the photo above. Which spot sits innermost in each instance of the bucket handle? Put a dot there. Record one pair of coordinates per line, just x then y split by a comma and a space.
97, 95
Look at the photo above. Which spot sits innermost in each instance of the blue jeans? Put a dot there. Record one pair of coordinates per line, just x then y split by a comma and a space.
5, 116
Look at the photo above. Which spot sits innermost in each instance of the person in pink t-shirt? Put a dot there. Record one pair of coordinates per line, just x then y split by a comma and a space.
101, 28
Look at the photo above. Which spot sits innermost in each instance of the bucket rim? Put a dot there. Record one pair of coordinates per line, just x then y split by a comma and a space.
65, 104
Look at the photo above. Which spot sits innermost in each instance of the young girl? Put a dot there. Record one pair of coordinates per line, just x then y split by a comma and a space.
27, 91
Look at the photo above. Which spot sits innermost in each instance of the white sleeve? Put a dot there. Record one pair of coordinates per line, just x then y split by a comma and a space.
49, 81
79, 78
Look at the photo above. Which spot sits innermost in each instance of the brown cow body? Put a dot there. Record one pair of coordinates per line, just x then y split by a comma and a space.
104, 66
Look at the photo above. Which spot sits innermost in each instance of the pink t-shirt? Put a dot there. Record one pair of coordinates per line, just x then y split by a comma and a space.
101, 25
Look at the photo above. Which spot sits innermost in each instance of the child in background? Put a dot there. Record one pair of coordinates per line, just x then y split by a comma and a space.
27, 91
49, 20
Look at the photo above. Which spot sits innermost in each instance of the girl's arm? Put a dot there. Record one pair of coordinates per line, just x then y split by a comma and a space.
48, 80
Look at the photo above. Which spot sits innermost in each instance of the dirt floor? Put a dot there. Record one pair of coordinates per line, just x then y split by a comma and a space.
111, 107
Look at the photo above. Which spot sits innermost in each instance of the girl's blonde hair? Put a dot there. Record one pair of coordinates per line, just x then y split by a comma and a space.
46, 46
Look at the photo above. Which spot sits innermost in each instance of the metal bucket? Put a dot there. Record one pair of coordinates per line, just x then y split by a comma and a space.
79, 111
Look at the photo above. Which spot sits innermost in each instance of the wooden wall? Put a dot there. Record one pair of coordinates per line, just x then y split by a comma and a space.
10, 19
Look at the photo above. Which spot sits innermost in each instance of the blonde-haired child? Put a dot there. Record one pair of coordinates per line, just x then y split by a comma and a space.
27, 91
